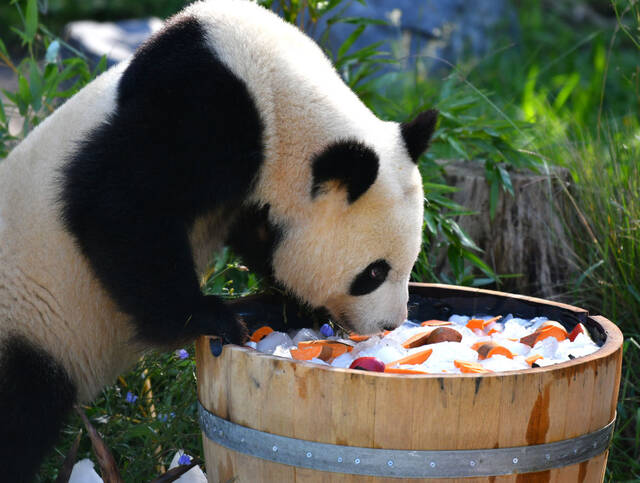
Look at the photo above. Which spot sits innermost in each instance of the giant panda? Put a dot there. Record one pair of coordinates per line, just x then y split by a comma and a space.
229, 126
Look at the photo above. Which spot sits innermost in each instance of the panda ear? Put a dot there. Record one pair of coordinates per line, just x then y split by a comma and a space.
417, 133
349, 163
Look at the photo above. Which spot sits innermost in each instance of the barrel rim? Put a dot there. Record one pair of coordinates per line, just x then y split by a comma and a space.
611, 345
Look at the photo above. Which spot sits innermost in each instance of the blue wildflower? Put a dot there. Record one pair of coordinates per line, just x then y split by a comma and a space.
185, 459
131, 398
182, 354
326, 330
162, 417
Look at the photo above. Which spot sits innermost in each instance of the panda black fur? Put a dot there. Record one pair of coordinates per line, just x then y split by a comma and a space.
228, 126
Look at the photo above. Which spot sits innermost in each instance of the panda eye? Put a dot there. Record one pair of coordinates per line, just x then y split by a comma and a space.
370, 278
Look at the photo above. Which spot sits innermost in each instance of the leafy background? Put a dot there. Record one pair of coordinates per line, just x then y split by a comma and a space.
565, 94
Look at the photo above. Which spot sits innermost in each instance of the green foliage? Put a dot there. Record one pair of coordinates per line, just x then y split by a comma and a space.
44, 79
228, 278
140, 439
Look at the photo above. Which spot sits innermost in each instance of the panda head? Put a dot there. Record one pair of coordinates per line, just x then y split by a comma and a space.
354, 250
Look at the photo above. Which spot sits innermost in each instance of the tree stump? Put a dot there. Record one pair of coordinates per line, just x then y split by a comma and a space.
526, 235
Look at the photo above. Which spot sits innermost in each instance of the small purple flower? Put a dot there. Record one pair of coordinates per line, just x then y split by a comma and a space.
172, 415
185, 459
131, 398
182, 354
326, 330
162, 417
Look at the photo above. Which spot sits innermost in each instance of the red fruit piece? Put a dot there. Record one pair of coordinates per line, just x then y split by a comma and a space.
372, 364
578, 329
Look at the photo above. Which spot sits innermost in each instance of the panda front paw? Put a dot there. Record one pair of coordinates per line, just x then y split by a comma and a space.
233, 332
214, 318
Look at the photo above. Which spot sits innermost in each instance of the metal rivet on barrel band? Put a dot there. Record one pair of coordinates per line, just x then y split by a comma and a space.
403, 463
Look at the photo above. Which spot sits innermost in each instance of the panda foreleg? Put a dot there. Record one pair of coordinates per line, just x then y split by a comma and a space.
36, 396
146, 264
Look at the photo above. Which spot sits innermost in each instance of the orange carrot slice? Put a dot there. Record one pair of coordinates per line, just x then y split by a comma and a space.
260, 333
470, 367
481, 324
542, 333
435, 323
399, 370
358, 337
490, 349
417, 340
553, 323
329, 349
306, 353
415, 358
475, 324
531, 359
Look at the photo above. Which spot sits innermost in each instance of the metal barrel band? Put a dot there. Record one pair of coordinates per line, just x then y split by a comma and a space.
403, 463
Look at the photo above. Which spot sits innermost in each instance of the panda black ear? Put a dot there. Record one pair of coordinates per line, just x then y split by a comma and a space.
350, 163
417, 133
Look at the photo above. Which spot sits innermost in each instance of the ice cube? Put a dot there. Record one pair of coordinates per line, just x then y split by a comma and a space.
386, 353
282, 351
450, 351
499, 363
315, 360
304, 335
547, 348
251, 344
516, 329
344, 360
273, 340
459, 319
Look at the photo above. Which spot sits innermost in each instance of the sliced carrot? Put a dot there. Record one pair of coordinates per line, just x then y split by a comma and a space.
415, 358
470, 367
544, 332
399, 370
416, 340
358, 337
553, 323
481, 324
531, 359
493, 331
329, 349
475, 324
499, 350
306, 353
260, 333
490, 349
435, 323
552, 331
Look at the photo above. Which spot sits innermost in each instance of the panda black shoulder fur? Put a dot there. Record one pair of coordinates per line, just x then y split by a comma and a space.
228, 126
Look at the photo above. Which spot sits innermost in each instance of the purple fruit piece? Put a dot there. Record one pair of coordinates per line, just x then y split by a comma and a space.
326, 330
372, 364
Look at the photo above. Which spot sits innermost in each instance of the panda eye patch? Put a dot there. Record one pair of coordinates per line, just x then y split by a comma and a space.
370, 278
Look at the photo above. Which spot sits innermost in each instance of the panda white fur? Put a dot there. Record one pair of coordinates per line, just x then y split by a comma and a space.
228, 126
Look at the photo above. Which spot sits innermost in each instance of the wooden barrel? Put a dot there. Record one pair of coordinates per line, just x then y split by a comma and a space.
270, 419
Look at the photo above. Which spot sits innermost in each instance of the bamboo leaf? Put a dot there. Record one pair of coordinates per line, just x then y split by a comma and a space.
31, 20
346, 45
